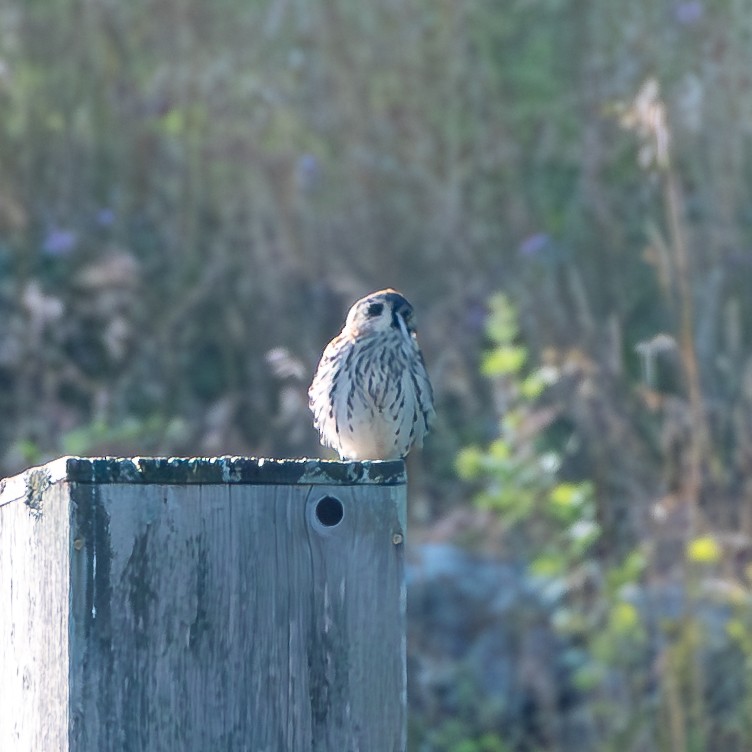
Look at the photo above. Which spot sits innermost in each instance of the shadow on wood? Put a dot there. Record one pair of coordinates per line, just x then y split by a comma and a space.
203, 604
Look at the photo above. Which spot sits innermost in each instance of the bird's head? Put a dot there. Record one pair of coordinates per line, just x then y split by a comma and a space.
381, 312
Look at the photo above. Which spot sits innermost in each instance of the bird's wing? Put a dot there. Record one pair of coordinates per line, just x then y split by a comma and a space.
327, 389
425, 412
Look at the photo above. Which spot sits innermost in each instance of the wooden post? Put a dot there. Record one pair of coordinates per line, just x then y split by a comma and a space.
203, 604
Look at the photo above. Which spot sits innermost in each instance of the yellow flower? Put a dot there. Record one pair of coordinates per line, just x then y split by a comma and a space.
704, 550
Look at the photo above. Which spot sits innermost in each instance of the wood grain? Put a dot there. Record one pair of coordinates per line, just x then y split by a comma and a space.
34, 619
219, 616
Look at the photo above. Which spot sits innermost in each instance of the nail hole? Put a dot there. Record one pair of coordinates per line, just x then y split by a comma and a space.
329, 511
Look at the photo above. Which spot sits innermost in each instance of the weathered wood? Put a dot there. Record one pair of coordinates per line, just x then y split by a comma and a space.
34, 618
203, 605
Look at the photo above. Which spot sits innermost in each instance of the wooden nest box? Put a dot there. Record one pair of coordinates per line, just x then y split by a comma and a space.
195, 605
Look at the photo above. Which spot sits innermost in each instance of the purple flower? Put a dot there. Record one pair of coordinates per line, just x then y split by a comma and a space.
105, 217
475, 316
59, 242
532, 245
688, 13
308, 171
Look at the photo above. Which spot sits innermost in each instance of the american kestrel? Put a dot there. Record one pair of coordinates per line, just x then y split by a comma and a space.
371, 398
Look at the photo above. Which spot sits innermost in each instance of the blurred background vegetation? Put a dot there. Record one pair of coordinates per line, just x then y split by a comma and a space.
193, 193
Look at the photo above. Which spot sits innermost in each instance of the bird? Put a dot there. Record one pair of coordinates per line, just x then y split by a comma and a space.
371, 397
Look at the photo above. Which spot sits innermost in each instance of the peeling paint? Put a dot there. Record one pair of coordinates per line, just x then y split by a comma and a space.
233, 469
37, 482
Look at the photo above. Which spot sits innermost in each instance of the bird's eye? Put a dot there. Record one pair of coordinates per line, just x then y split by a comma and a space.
375, 309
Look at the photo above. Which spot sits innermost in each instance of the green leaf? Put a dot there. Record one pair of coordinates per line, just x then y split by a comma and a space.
491, 743
583, 534
27, 449
630, 570
548, 565
567, 496
499, 450
502, 320
533, 386
503, 361
624, 618
173, 123
465, 746
736, 630
469, 462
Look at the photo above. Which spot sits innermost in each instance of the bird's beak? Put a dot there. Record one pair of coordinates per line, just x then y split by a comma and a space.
403, 327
